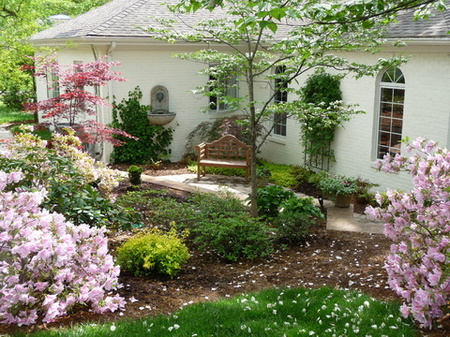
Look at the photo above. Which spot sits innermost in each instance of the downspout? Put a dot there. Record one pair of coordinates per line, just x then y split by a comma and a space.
110, 59
96, 151
105, 154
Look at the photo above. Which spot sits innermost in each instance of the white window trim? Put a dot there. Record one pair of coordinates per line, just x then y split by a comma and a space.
380, 86
283, 123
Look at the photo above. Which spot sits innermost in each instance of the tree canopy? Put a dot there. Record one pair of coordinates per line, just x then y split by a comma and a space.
296, 36
19, 19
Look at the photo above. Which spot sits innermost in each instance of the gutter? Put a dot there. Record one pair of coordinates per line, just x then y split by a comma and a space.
422, 41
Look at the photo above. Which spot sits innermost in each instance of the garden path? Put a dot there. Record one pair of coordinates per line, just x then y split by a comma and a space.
4, 133
341, 219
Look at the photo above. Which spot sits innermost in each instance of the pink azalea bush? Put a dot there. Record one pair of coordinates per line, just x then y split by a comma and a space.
48, 265
418, 223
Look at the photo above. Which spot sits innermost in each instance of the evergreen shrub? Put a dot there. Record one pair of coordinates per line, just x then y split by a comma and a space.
233, 238
295, 218
153, 251
134, 174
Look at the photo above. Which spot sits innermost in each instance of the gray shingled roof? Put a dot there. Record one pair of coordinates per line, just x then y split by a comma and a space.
120, 18
124, 18
437, 26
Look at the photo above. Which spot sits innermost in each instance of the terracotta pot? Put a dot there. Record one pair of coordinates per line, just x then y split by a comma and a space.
343, 201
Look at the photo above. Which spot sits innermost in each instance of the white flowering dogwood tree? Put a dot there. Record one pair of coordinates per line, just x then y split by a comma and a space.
293, 36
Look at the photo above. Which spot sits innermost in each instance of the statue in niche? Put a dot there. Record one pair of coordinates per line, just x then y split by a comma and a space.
159, 98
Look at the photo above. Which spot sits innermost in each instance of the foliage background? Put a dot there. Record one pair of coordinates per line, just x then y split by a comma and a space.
19, 20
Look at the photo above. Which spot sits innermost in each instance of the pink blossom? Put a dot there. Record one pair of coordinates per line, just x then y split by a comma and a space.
418, 223
46, 254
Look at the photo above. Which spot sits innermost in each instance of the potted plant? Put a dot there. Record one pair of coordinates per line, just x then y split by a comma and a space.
263, 175
340, 189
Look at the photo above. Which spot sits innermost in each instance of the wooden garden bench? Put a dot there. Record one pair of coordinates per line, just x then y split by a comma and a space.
228, 151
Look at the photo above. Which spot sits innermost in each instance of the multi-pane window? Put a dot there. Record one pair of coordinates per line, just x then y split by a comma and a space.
52, 86
280, 119
76, 68
229, 89
392, 98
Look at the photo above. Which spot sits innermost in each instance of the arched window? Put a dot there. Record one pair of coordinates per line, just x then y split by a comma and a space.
392, 98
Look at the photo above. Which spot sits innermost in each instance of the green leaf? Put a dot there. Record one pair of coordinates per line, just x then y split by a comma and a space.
269, 24
278, 13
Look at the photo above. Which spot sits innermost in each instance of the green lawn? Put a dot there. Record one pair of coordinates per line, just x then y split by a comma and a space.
8, 115
286, 312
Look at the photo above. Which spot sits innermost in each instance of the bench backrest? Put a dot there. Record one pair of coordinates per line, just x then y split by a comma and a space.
228, 147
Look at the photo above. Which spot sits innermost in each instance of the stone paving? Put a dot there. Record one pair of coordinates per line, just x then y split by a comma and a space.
4, 134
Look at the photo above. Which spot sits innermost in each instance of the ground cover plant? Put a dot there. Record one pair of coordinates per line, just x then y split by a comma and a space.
280, 174
276, 312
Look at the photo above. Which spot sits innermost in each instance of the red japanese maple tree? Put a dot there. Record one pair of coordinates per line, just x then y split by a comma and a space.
73, 103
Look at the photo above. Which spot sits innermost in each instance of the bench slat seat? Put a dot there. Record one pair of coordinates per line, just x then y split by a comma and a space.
225, 163
228, 151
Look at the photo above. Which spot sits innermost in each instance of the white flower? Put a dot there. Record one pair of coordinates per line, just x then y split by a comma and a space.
113, 328
174, 327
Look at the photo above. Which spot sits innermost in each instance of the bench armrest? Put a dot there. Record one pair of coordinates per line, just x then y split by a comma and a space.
201, 151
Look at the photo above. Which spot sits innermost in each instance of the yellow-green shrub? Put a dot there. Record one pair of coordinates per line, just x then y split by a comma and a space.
153, 251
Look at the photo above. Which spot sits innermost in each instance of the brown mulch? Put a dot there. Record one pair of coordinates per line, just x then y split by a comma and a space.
327, 258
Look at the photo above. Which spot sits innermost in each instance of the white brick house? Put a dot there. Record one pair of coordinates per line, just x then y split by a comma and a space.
419, 107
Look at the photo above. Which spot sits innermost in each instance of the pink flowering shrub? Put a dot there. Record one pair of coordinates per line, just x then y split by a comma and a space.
48, 265
418, 223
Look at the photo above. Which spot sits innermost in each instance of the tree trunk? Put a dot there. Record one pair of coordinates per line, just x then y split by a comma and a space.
253, 132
